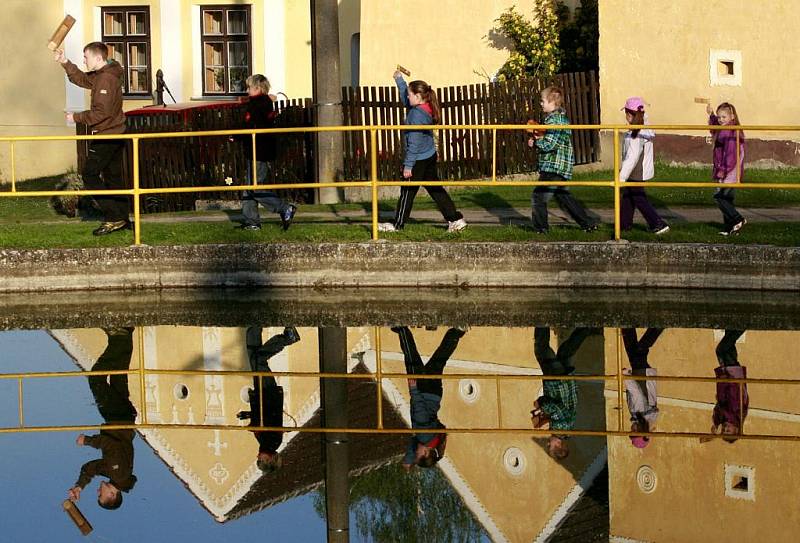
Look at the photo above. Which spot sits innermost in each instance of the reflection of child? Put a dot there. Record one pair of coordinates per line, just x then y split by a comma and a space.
726, 170
733, 400
556, 159
426, 449
637, 165
641, 396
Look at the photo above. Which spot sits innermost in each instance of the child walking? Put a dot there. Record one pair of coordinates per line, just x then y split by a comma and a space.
556, 159
726, 170
641, 396
260, 113
637, 165
420, 160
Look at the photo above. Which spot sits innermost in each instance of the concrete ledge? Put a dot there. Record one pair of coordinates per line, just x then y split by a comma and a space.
629, 265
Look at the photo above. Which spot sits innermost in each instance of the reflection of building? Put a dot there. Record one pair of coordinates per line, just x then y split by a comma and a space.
681, 490
218, 467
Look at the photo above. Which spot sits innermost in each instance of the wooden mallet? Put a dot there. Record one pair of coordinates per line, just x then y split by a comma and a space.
77, 517
61, 32
403, 71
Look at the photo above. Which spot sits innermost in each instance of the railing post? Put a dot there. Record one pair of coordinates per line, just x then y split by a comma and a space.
499, 402
21, 404
620, 380
617, 227
373, 153
738, 158
142, 386
137, 224
13, 170
379, 374
494, 154
253, 163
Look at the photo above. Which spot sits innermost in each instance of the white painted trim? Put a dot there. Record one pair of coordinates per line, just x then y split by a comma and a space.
73, 48
577, 491
97, 21
274, 32
196, 52
171, 62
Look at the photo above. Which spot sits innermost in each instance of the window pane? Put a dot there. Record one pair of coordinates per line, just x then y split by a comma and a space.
238, 80
237, 22
237, 54
215, 79
213, 54
137, 80
136, 23
137, 55
113, 23
116, 51
212, 22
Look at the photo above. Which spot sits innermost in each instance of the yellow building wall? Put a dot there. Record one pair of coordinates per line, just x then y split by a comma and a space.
441, 42
660, 51
32, 90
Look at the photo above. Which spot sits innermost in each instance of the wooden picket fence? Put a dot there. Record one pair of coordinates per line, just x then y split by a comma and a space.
463, 154
467, 154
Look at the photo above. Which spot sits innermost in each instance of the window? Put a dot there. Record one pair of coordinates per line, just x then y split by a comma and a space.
126, 32
226, 47
725, 67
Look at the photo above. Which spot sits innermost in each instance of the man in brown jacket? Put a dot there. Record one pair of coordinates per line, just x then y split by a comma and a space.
104, 79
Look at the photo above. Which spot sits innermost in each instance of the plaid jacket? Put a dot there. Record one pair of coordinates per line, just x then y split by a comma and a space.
555, 148
560, 403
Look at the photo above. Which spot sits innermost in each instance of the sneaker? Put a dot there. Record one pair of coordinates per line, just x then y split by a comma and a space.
738, 226
291, 335
661, 230
287, 216
251, 227
108, 227
456, 226
724, 233
386, 227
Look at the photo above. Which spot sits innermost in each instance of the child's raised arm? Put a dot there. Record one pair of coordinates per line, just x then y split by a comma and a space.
402, 88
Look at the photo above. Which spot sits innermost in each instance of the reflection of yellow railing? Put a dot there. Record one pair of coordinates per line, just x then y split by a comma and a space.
379, 376
137, 191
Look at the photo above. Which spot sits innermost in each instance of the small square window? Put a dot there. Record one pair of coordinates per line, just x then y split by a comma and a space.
740, 482
725, 67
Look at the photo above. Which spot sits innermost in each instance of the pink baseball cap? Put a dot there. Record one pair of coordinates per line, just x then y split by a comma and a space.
640, 442
634, 103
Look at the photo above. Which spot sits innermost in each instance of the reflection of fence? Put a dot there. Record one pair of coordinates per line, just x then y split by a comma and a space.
466, 153
378, 375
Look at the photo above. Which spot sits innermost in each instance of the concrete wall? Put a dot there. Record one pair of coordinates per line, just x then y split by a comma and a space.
406, 264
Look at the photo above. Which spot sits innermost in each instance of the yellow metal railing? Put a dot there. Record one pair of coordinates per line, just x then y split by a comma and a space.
378, 377
374, 183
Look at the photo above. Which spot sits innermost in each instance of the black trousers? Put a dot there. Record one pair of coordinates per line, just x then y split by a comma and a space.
724, 198
548, 360
565, 200
727, 355
437, 361
111, 392
105, 159
425, 170
639, 349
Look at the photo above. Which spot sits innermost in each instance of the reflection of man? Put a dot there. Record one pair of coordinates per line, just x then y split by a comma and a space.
641, 396
272, 414
556, 408
733, 400
426, 449
112, 397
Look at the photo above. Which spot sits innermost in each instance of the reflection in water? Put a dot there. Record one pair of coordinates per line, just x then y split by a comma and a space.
426, 449
271, 413
641, 396
557, 407
113, 401
504, 486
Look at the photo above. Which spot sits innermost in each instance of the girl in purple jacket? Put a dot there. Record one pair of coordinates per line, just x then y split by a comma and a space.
728, 164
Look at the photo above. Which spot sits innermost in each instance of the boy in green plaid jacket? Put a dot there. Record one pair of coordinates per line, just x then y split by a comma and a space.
556, 159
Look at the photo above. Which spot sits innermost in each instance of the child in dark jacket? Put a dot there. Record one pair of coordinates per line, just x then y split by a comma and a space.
422, 108
260, 113
728, 164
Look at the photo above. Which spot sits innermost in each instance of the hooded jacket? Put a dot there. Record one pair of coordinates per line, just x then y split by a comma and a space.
419, 143
117, 461
105, 115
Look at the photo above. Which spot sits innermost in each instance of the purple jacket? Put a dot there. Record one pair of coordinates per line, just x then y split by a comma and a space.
725, 153
729, 407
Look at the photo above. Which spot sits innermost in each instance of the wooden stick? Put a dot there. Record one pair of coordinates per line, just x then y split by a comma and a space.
403, 70
61, 32
702, 100
77, 517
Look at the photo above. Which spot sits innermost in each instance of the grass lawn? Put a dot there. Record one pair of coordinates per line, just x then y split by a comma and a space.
32, 223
